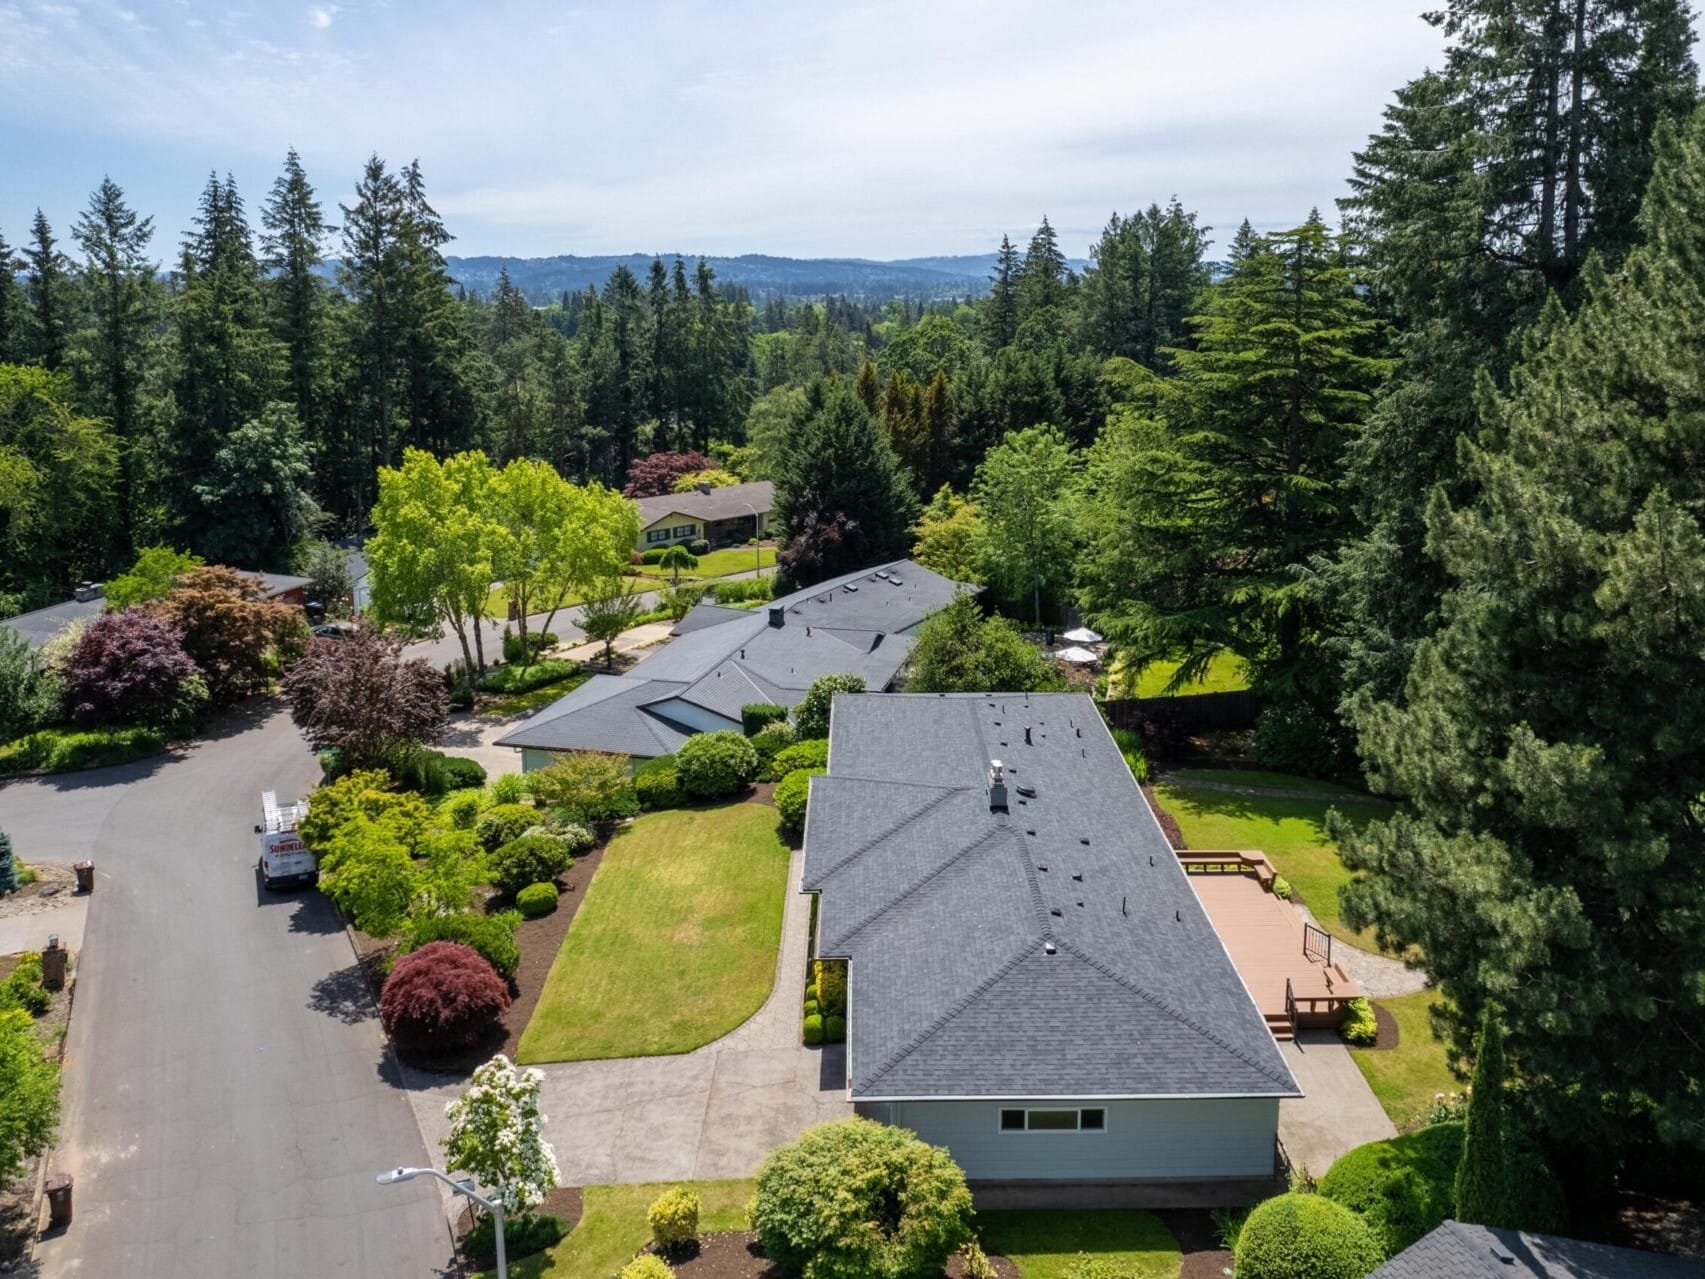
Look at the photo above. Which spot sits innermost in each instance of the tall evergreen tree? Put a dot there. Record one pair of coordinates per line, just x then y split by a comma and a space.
11, 307
1483, 1192
48, 294
1000, 312
119, 281
1490, 182
292, 244
842, 498
1203, 524
1547, 744
1043, 278
1148, 272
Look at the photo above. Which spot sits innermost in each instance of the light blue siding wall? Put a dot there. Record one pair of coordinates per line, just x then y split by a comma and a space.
1144, 1139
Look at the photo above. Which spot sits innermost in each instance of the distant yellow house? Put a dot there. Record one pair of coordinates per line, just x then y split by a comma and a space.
721, 516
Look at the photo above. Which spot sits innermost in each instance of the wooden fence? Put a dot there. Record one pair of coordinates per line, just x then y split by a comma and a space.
1201, 713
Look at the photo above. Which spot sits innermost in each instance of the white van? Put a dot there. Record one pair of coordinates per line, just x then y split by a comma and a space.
284, 858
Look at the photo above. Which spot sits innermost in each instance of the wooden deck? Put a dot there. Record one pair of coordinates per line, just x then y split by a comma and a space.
1264, 936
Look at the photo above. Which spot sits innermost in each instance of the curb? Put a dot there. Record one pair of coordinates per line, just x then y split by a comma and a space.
38, 1196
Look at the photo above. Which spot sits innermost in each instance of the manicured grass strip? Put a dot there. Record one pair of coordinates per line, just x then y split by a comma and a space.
1225, 674
1407, 1077
613, 1228
65, 750
1292, 832
1045, 1245
522, 703
730, 559
675, 944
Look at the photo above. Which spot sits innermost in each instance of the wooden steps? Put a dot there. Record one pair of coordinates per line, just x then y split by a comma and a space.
1280, 1025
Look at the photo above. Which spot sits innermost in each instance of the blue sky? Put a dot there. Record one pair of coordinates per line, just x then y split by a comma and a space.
851, 129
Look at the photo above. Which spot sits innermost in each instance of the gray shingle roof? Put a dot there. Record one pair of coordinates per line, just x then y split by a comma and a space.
606, 713
1456, 1250
722, 659
718, 504
947, 910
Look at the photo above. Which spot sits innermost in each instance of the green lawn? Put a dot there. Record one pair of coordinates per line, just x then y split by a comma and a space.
497, 602
544, 695
1292, 832
731, 559
1405, 1078
1045, 1245
1225, 674
675, 944
613, 1228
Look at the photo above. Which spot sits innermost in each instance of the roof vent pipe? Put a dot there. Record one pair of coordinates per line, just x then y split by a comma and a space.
778, 617
997, 787
1027, 740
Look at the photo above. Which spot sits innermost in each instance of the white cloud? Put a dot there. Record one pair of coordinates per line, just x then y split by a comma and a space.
320, 16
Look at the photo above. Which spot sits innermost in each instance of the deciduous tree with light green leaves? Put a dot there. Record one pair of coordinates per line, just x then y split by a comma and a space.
432, 557
152, 577
1024, 492
1547, 853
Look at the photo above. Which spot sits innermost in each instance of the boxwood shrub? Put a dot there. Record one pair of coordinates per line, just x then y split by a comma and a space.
674, 1218
1301, 1236
503, 822
813, 752
813, 1030
834, 1030
772, 739
493, 936
657, 789
536, 900
793, 792
648, 1265
711, 765
536, 857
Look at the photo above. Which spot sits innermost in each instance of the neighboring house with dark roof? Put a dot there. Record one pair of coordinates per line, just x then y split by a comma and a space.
45, 624
721, 516
1032, 982
721, 659
1459, 1251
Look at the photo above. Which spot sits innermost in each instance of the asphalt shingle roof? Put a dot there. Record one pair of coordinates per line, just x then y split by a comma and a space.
1457, 1250
606, 713
718, 504
722, 659
1052, 950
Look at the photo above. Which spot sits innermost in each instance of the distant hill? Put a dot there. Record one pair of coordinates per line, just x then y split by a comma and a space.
543, 280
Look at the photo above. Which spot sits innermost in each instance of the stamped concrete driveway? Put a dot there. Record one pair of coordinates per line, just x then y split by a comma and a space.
709, 1114
227, 1094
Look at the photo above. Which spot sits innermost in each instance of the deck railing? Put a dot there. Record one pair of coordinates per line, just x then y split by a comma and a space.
1316, 944
1291, 1006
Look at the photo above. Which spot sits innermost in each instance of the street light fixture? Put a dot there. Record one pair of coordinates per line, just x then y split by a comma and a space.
465, 1188
757, 539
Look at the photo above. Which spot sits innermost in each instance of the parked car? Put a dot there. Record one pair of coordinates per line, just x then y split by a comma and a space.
333, 630
284, 858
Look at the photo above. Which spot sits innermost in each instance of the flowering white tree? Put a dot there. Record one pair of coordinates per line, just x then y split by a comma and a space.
497, 1135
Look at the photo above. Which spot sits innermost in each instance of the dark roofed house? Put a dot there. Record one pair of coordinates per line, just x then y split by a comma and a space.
721, 659
1457, 1250
1032, 982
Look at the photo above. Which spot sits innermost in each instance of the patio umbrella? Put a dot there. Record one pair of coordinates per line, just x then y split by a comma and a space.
1077, 656
1082, 635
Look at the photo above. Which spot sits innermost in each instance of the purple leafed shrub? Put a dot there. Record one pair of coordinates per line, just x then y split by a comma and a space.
131, 668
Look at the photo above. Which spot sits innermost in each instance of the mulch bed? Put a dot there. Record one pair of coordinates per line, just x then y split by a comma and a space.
565, 1203
1199, 1241
737, 1254
1387, 1024
1168, 823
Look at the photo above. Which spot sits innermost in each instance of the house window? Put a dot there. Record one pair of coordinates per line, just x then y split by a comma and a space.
656, 535
1092, 1119
684, 530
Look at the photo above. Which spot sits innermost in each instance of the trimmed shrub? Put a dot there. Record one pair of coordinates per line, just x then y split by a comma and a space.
674, 1218
861, 1198
522, 1237
648, 1265
811, 1006
533, 858
22, 988
575, 837
811, 716
698, 547
657, 789
443, 996
1282, 888
1360, 1027
504, 822
585, 786
834, 1030
653, 556
535, 901
463, 774
65, 750
1305, 1237
776, 737
813, 1030
755, 717
493, 936
462, 808
809, 753
793, 792
711, 765
829, 984
524, 679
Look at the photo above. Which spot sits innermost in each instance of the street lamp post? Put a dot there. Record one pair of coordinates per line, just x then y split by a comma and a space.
465, 1188
757, 540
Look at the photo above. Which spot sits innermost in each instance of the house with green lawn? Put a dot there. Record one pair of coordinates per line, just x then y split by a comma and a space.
727, 516
1032, 981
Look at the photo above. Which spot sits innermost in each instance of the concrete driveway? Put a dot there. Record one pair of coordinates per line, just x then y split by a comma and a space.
712, 1113
227, 1093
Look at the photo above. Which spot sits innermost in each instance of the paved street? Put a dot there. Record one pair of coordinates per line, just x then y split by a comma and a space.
228, 1097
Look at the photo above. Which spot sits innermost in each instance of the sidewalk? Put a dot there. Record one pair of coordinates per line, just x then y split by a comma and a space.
591, 653
1337, 1112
